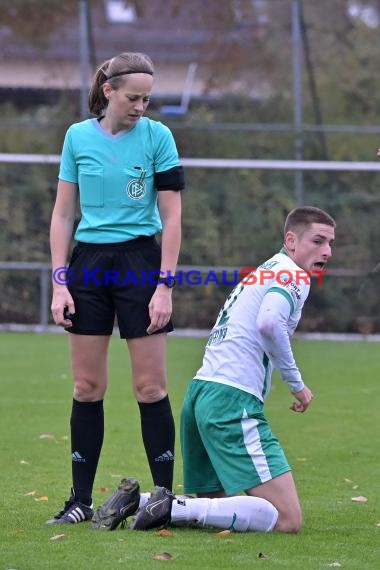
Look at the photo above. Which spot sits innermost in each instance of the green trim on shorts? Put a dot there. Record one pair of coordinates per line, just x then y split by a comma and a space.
226, 441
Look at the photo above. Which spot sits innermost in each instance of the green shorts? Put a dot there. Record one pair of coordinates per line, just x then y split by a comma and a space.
226, 441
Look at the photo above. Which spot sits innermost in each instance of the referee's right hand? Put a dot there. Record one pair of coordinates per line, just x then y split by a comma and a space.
62, 306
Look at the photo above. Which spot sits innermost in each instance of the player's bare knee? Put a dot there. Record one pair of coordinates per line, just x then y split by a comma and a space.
292, 527
289, 523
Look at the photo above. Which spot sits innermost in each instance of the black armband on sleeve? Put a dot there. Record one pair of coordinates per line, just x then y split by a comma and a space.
173, 179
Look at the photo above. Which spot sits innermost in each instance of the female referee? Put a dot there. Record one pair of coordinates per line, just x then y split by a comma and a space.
126, 172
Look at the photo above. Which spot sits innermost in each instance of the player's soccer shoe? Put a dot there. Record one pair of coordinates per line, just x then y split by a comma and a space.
157, 511
73, 512
123, 503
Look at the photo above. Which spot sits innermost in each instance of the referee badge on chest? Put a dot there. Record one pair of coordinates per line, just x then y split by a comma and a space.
136, 189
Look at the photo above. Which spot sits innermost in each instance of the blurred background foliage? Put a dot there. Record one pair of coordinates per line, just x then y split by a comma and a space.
232, 218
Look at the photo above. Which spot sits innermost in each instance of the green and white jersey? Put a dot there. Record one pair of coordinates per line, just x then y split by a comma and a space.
115, 175
252, 333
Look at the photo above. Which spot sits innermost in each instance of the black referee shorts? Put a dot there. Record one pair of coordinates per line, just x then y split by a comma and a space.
114, 281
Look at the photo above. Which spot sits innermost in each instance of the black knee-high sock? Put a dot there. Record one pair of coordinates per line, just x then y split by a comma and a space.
87, 432
158, 433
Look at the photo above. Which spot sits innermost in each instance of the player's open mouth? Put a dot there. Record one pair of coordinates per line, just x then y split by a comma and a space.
318, 265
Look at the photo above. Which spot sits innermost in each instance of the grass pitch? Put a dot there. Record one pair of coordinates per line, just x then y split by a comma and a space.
333, 448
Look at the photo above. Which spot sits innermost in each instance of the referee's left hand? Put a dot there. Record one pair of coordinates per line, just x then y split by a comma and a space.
160, 308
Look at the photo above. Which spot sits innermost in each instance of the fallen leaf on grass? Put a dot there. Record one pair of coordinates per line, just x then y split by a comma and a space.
103, 489
377, 523
43, 498
164, 532
348, 481
263, 555
301, 458
359, 499
223, 533
58, 537
355, 487
334, 565
162, 556
23, 462
30, 494
46, 436
64, 437
18, 531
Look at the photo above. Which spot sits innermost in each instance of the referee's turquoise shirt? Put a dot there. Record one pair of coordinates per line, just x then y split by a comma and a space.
115, 174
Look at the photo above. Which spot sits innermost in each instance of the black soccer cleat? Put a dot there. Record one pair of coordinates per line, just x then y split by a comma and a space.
123, 503
73, 512
157, 511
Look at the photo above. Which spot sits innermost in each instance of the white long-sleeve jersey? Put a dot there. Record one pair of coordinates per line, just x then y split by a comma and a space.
252, 333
